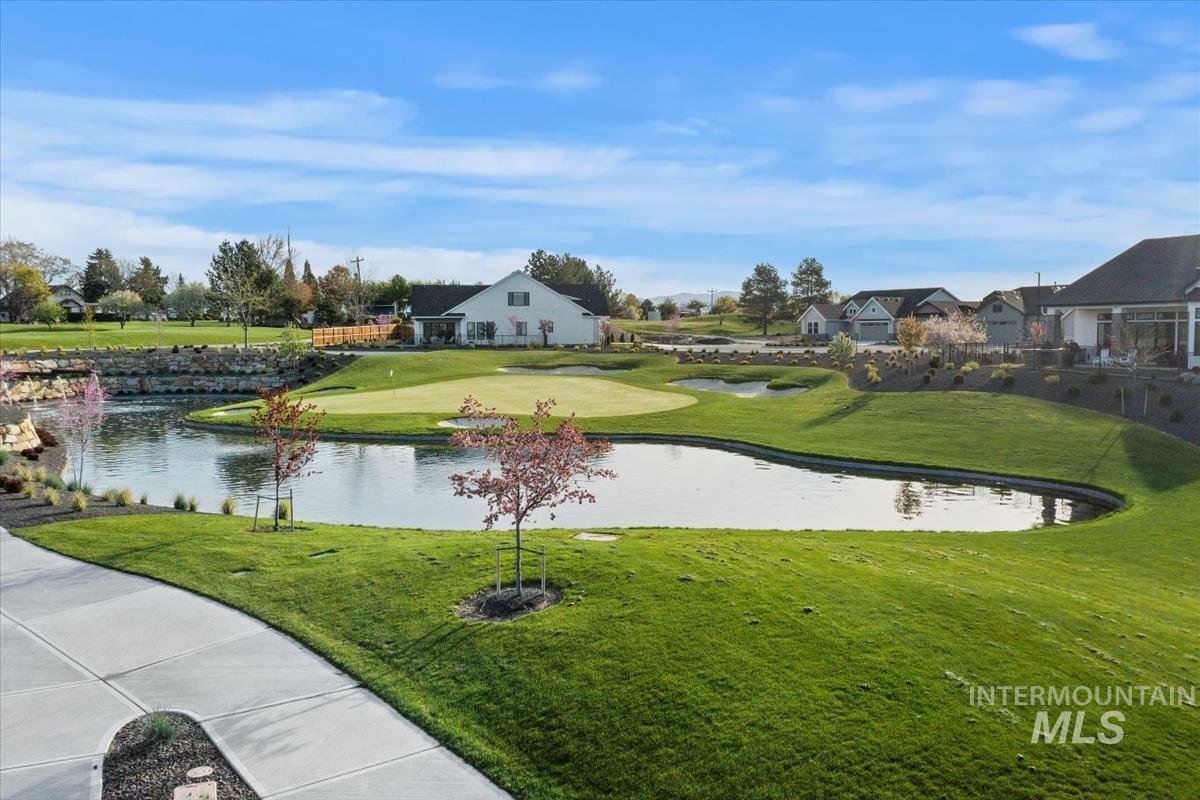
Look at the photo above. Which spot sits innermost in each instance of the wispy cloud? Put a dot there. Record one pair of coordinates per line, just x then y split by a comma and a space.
1080, 41
692, 126
867, 99
1005, 98
1111, 119
563, 80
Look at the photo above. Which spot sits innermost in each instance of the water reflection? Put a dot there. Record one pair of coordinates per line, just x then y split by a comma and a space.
143, 445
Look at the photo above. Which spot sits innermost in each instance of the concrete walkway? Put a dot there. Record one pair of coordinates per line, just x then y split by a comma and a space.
84, 650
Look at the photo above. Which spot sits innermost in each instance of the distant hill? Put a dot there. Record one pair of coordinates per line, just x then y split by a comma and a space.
683, 298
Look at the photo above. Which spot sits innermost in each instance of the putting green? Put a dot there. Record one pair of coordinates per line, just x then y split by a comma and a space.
511, 394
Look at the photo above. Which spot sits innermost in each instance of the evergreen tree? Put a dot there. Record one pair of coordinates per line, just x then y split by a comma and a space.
308, 277
809, 286
101, 275
149, 282
764, 296
551, 268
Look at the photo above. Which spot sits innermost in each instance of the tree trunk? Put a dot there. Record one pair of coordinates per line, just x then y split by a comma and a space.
193, 322
122, 323
245, 334
276, 506
519, 588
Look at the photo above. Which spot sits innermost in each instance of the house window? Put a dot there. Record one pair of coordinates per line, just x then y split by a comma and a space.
478, 331
813, 328
521, 328
549, 326
996, 308
518, 298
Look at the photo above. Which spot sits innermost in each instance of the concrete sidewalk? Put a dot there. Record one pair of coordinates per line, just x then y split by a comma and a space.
84, 650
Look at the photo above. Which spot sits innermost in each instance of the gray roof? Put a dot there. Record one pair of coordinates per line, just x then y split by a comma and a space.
909, 299
434, 300
1152, 271
828, 310
1011, 296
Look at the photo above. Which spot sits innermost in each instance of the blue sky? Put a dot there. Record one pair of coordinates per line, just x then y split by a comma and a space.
964, 145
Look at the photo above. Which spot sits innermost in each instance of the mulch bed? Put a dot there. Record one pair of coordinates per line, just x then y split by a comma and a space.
20, 512
137, 770
1103, 397
503, 606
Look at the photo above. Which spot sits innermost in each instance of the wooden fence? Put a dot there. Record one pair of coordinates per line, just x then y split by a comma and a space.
323, 337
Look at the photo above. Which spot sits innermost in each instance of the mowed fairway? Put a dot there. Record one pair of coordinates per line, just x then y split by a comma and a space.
136, 333
512, 394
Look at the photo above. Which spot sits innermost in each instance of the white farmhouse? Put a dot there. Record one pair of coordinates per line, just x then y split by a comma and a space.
509, 313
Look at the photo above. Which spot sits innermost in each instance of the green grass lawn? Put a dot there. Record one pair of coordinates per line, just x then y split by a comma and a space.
707, 325
755, 664
136, 333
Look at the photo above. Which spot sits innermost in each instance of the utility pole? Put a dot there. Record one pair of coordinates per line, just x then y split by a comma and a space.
357, 262
1041, 322
711, 299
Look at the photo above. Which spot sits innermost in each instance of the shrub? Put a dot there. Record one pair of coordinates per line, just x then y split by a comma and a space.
970, 366
40, 474
228, 506
1164, 399
926, 378
4, 457
959, 378
1176, 415
29, 491
998, 374
50, 498
949, 365
79, 502
124, 498
159, 728
842, 347
181, 502
12, 484
931, 372
48, 438
1097, 378
875, 378
1009, 380
934, 362
110, 495
144, 500
55, 482
285, 509
193, 504
1052, 380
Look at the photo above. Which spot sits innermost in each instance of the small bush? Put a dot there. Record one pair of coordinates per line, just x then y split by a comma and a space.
285, 509
124, 498
193, 504
181, 502
144, 500
1164, 399
4, 457
79, 502
11, 484
1052, 380
949, 365
970, 366
228, 506
959, 378
48, 438
875, 379
160, 728
998, 374
934, 362
40, 474
926, 378
29, 491
50, 498
1009, 380
110, 495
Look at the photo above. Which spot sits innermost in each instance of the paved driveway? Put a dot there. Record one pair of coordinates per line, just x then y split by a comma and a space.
84, 650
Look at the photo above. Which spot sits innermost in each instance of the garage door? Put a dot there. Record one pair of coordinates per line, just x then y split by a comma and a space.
873, 331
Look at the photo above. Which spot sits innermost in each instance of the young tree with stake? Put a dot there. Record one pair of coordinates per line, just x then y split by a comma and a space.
289, 428
81, 416
537, 469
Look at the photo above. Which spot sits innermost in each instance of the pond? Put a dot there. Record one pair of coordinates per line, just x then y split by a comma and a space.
738, 388
143, 445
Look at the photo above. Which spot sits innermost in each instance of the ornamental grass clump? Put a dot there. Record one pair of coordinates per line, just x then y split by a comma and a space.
124, 498
110, 495
181, 503
79, 502
50, 497
229, 506
193, 504
1052, 380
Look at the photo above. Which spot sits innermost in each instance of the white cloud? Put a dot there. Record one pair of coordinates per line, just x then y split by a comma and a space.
563, 80
868, 99
692, 126
1080, 41
1112, 119
1005, 98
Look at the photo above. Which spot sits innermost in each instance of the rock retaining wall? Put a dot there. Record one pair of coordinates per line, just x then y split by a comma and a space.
19, 436
51, 376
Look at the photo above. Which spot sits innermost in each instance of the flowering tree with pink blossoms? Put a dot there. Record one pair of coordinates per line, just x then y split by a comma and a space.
383, 319
605, 332
545, 328
289, 428
957, 328
81, 416
538, 470
671, 324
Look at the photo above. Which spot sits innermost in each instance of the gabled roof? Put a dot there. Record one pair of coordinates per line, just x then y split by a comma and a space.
827, 310
1152, 271
1010, 296
434, 300
909, 299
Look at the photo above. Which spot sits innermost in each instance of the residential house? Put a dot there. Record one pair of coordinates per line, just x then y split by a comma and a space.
871, 316
508, 312
1147, 299
823, 321
71, 301
1009, 313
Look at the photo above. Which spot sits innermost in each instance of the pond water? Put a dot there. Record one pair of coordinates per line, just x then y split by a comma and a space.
143, 445
738, 389
575, 369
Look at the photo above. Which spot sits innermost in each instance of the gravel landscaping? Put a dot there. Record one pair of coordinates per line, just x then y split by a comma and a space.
136, 768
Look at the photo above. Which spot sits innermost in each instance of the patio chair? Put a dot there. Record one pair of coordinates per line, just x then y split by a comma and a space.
1126, 360
1099, 357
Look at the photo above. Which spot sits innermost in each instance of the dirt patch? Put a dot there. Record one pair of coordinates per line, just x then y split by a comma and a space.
504, 606
136, 769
